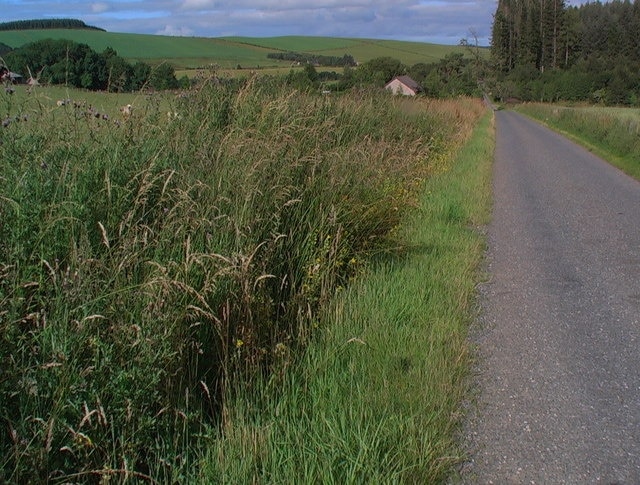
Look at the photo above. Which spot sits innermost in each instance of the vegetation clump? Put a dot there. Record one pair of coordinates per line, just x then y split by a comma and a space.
548, 51
37, 24
149, 267
315, 59
78, 65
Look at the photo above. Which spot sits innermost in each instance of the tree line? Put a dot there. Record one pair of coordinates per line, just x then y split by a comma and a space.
318, 60
73, 64
454, 75
545, 50
46, 24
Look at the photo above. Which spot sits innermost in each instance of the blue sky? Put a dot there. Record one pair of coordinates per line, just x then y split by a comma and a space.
439, 21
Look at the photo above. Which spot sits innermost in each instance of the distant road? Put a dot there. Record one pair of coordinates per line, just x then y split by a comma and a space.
559, 347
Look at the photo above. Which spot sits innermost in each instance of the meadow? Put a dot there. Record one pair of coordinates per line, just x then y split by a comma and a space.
171, 282
611, 132
229, 52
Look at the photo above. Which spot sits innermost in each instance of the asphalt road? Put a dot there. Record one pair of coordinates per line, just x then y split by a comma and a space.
559, 343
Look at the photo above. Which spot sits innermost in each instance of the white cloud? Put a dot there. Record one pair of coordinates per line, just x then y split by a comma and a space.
174, 31
444, 21
99, 7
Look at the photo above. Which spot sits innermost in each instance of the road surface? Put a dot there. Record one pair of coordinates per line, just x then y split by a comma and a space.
559, 343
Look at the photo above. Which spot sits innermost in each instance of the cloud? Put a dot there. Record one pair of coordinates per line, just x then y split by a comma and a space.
99, 7
175, 31
442, 21
198, 4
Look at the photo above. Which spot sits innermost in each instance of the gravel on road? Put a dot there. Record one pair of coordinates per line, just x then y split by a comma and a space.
558, 343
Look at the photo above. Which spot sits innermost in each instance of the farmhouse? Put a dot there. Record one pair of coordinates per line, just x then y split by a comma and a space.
403, 85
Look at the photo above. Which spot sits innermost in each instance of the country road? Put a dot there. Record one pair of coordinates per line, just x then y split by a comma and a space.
559, 338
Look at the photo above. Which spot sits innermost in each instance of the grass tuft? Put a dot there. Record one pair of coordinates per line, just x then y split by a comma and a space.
612, 133
376, 397
154, 269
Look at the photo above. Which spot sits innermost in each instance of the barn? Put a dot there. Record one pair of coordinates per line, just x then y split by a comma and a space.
403, 85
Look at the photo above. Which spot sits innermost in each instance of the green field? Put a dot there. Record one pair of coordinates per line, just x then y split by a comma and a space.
227, 52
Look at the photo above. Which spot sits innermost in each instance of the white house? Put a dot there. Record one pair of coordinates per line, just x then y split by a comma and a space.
403, 85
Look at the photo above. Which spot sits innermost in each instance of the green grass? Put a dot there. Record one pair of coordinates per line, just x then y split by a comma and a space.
611, 133
34, 100
150, 266
376, 398
362, 49
228, 52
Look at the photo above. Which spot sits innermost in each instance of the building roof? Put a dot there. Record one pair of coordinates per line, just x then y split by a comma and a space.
407, 81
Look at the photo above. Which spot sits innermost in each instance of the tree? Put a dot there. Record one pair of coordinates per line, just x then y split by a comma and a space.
163, 77
550, 36
119, 73
140, 75
381, 70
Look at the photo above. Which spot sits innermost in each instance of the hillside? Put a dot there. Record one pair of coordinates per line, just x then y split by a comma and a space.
191, 52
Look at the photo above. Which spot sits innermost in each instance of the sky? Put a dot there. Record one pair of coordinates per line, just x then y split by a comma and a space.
437, 21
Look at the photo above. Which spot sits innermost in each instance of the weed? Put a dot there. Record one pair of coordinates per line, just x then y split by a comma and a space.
151, 267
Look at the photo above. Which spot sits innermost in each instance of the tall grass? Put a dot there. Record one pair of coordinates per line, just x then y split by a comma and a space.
149, 266
376, 397
613, 133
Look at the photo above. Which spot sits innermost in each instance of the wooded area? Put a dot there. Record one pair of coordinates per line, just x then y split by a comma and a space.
46, 24
544, 50
73, 64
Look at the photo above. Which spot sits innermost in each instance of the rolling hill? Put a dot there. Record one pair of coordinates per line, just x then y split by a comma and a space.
228, 52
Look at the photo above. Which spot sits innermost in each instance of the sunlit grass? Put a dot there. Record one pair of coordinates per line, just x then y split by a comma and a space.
153, 266
376, 398
612, 133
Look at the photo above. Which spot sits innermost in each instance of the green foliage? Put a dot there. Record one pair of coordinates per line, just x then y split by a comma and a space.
305, 80
320, 60
149, 266
140, 74
77, 65
582, 53
46, 24
376, 396
381, 70
163, 77
452, 76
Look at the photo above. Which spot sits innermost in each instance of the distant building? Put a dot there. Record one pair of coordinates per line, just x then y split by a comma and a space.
403, 85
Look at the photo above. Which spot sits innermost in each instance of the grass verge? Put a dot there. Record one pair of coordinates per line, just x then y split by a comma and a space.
376, 397
610, 133
153, 266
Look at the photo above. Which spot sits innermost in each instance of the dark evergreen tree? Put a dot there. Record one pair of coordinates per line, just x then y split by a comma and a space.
46, 24
548, 35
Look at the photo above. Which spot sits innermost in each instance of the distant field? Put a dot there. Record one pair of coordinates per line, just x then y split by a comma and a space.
228, 52
361, 49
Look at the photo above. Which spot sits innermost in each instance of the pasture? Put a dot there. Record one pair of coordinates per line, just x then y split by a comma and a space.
228, 52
